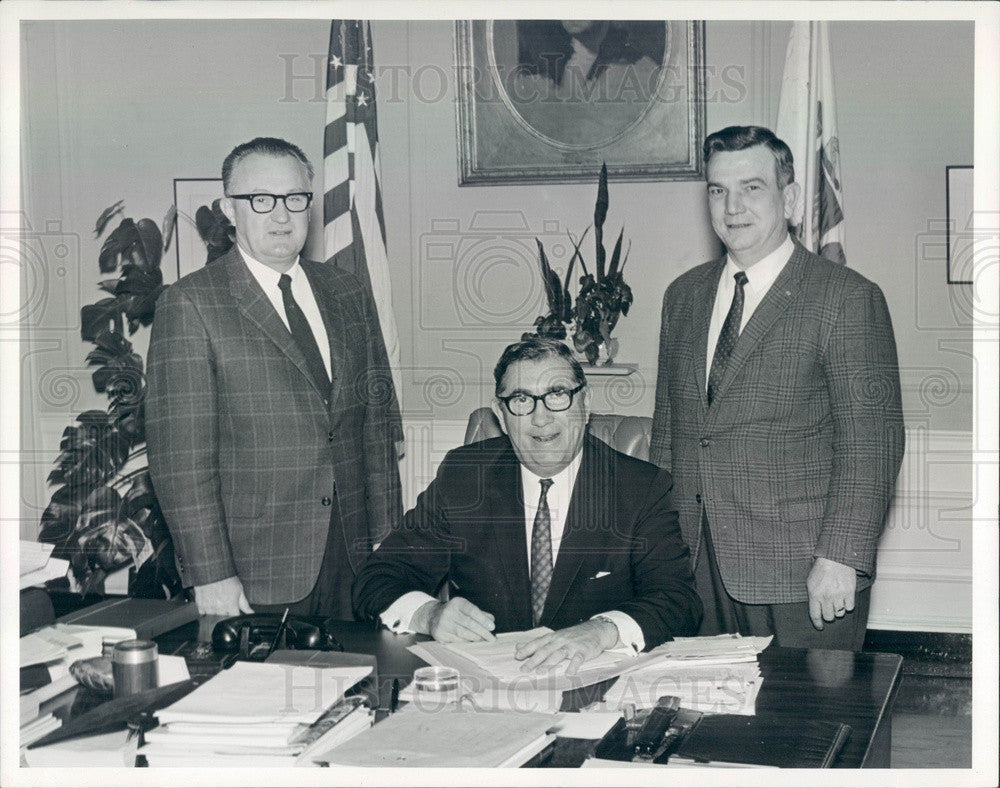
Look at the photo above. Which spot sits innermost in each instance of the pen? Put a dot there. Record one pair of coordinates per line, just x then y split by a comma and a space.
279, 633
394, 697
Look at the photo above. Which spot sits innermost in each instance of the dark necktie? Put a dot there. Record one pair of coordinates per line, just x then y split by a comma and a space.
541, 554
303, 335
727, 337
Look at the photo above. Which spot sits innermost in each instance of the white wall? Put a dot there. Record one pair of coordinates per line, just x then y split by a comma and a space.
119, 109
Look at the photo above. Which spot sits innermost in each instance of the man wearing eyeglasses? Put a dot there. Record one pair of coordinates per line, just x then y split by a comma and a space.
544, 526
268, 414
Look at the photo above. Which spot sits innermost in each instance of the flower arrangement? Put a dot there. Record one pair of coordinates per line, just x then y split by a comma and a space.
603, 296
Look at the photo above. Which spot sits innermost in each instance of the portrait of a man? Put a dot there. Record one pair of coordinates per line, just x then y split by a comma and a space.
551, 100
582, 82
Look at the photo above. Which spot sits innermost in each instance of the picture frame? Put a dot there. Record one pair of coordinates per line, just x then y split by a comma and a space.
959, 189
189, 195
527, 114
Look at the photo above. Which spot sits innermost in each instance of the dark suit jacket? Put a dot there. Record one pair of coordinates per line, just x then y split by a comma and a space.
798, 454
246, 451
468, 527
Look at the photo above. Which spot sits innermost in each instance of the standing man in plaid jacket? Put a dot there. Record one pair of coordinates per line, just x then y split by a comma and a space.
777, 412
269, 408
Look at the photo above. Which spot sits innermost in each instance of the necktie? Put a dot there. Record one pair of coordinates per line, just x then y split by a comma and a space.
541, 554
303, 335
727, 337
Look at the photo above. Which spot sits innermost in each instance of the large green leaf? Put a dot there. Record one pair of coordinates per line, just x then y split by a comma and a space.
60, 516
90, 454
139, 243
106, 216
105, 315
118, 372
169, 222
616, 254
148, 247
215, 230
600, 214
116, 244
138, 290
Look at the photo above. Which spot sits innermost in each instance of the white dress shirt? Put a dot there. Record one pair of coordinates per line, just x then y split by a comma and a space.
398, 616
760, 277
268, 278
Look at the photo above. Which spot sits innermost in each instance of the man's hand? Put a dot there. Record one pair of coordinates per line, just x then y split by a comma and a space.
454, 621
831, 586
222, 598
576, 644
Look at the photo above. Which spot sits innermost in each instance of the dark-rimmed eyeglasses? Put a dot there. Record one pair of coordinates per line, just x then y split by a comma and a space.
296, 202
521, 403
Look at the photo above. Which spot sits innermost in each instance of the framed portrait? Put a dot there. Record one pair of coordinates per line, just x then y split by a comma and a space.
189, 195
549, 100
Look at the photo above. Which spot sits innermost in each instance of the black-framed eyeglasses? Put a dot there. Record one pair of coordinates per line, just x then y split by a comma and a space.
296, 202
522, 403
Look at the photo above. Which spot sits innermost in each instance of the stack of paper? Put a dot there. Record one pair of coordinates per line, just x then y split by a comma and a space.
49, 652
448, 737
108, 749
57, 647
37, 564
711, 674
34, 729
258, 714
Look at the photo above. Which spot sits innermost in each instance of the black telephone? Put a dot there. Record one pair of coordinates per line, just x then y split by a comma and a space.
253, 636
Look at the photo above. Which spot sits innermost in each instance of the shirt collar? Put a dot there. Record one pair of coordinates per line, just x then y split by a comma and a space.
264, 273
761, 275
566, 476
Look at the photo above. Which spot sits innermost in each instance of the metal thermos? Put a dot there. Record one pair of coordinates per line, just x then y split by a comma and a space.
133, 667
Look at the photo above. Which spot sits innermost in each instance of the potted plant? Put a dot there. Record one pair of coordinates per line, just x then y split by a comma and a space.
104, 515
603, 296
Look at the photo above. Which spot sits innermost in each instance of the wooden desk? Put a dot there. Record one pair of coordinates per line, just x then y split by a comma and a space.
838, 686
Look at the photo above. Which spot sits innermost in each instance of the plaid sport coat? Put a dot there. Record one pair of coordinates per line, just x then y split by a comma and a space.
245, 450
798, 454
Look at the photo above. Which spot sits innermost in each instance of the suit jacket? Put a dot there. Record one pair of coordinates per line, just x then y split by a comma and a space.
469, 527
246, 451
798, 454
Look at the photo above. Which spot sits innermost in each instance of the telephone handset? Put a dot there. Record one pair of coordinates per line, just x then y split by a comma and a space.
254, 635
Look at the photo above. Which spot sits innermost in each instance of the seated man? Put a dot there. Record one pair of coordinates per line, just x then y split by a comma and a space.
545, 526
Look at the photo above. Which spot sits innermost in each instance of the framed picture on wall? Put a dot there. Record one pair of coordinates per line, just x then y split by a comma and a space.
549, 100
189, 195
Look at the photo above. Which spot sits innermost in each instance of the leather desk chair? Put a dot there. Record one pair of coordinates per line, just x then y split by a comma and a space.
627, 434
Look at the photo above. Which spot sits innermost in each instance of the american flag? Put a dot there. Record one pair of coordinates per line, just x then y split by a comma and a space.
808, 124
354, 224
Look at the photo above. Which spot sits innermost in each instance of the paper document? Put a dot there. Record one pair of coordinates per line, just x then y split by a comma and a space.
586, 724
709, 650
494, 660
37, 565
452, 737
108, 749
497, 656
46, 645
716, 689
255, 692
492, 695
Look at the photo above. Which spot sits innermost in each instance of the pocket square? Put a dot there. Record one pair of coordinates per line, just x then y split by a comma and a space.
599, 575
